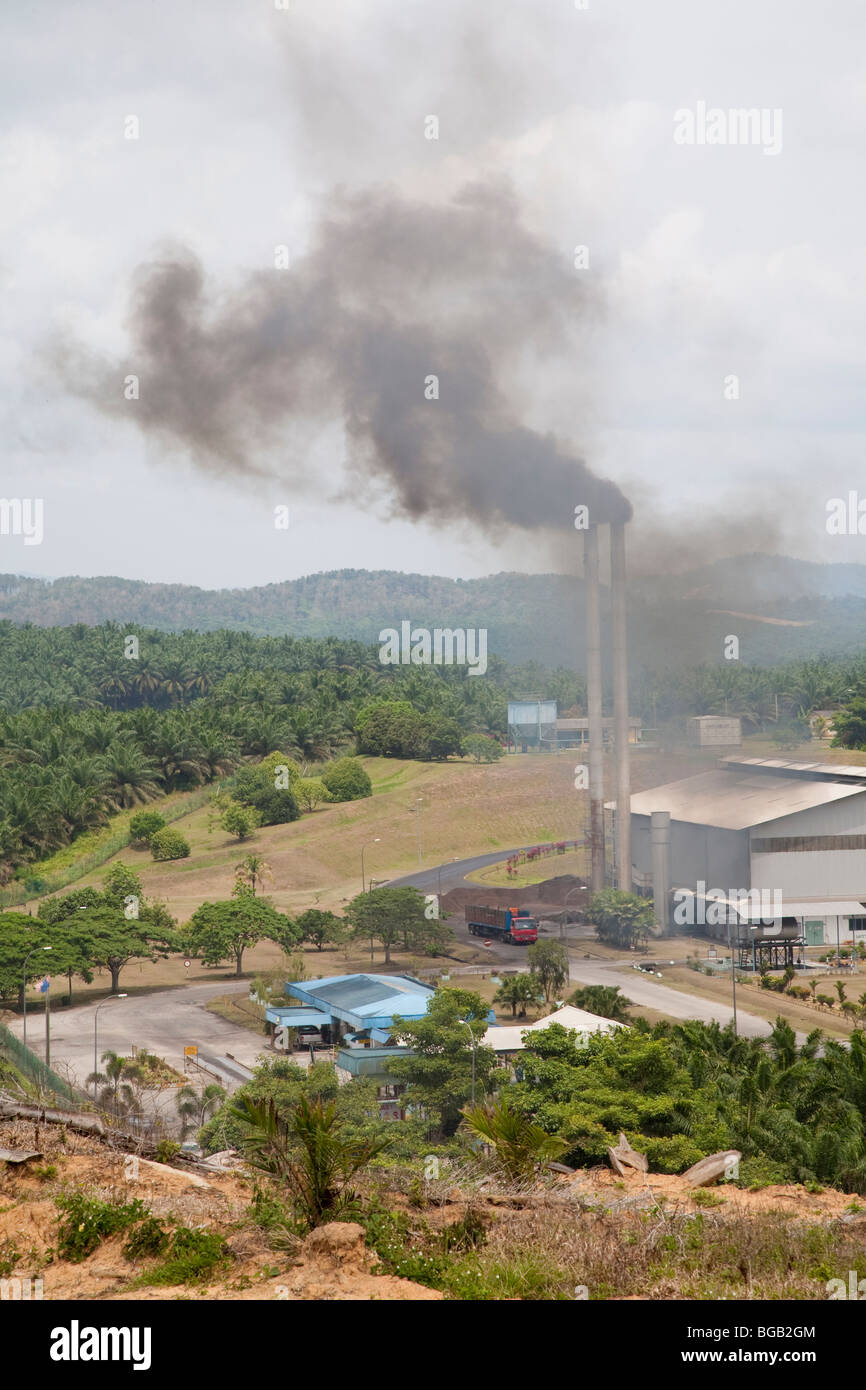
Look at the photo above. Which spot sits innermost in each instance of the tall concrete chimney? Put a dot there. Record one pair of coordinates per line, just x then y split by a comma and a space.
660, 835
594, 710
620, 705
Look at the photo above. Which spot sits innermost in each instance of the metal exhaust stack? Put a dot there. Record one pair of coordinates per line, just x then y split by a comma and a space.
660, 837
620, 705
594, 710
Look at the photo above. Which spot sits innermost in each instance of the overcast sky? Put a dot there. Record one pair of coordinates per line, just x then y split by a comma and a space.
705, 261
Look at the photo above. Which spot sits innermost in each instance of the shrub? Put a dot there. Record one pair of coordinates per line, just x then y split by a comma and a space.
261, 789
169, 844
146, 1240
166, 1150
192, 1258
346, 780
145, 824
239, 820
86, 1222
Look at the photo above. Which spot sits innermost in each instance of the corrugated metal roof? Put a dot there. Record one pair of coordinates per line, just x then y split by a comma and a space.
365, 1000
843, 770
735, 800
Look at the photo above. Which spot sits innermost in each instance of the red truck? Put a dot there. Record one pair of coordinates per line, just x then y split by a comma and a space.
512, 924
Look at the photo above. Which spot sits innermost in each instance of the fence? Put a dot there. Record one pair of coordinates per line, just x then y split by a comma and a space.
33, 1068
36, 887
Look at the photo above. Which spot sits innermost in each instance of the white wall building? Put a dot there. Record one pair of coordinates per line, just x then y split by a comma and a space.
788, 828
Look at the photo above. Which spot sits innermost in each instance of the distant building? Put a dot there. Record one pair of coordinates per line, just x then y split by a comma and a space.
715, 731
572, 733
355, 1014
507, 1040
792, 834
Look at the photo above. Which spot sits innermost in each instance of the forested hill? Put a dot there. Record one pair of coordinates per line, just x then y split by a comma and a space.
781, 609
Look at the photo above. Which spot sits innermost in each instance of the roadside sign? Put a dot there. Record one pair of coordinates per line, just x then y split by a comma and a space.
186, 962
486, 943
190, 1051
712, 953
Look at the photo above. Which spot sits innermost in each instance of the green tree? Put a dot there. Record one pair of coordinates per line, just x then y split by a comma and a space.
252, 871
321, 928
438, 1069
388, 915
195, 1108
604, 1000
143, 825
621, 919
104, 937
346, 780
482, 748
238, 820
311, 792
548, 961
219, 931
518, 991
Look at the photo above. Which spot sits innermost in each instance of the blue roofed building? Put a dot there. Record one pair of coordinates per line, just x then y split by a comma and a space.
355, 1015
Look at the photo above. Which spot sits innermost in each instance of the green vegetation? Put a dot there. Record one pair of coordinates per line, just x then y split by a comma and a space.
308, 1154
548, 962
169, 844
223, 930
398, 915
191, 1257
605, 1000
144, 825
519, 991
346, 780
85, 1222
519, 1143
621, 919
438, 1074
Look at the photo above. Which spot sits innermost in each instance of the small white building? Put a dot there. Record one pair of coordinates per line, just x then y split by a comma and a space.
507, 1039
715, 731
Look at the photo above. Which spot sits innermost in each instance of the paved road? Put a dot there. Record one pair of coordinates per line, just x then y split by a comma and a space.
164, 1022
641, 989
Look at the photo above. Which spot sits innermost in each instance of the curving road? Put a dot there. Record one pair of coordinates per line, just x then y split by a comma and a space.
643, 990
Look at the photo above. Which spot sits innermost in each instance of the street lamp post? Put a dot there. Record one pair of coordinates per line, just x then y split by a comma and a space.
363, 847
474, 1044
581, 888
24, 995
733, 970
95, 1020
417, 809
454, 860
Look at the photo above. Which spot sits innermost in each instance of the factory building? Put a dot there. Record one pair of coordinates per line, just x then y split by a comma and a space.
790, 835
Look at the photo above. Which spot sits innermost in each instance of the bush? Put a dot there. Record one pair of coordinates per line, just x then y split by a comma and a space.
146, 1240
346, 780
192, 1258
86, 1222
166, 1150
274, 805
169, 844
144, 825
239, 820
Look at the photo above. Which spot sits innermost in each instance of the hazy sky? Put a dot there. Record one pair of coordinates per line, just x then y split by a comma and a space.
705, 261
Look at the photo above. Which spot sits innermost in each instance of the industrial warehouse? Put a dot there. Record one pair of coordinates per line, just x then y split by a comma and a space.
790, 835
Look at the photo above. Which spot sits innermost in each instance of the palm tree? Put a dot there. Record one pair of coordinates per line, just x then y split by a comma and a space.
132, 776
520, 1144
252, 871
196, 1107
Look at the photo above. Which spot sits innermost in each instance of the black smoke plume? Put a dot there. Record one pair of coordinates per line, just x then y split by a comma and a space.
390, 293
